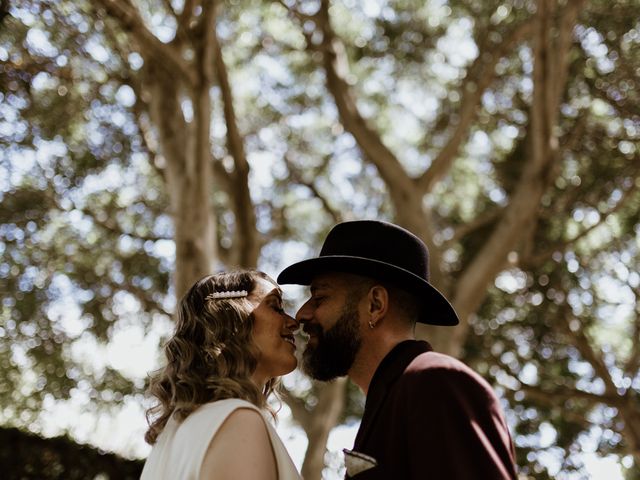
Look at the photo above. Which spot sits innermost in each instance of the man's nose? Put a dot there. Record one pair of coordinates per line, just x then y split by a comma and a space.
304, 313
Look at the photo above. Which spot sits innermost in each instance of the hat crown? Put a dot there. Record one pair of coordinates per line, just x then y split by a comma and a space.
379, 241
384, 252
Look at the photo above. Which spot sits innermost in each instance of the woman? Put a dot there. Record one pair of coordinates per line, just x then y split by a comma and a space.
232, 341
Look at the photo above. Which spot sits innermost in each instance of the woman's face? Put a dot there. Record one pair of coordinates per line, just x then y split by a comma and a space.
272, 333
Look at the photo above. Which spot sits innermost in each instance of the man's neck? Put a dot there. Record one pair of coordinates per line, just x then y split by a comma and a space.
371, 353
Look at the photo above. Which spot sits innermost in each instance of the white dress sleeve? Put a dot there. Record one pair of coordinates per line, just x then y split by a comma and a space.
181, 447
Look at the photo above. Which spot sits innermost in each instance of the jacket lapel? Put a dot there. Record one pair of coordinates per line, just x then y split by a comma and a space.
383, 379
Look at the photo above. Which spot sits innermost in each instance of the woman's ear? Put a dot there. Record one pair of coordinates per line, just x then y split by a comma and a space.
378, 304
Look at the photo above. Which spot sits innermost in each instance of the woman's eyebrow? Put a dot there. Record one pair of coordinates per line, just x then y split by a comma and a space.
276, 292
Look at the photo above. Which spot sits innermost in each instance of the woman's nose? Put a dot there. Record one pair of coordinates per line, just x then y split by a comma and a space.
292, 323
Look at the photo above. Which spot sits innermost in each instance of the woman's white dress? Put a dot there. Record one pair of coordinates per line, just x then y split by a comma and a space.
180, 449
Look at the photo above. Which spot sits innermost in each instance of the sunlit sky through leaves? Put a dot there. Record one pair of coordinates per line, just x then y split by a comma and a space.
133, 350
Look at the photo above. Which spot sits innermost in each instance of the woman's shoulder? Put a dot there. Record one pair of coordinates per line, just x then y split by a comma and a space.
207, 418
242, 429
224, 404
214, 413
242, 425
227, 403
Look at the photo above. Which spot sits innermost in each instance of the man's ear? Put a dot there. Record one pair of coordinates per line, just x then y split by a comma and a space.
378, 303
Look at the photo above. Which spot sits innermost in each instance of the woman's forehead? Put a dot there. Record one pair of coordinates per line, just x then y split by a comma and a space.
265, 287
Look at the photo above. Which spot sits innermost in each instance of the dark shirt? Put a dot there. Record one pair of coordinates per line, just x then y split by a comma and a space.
429, 416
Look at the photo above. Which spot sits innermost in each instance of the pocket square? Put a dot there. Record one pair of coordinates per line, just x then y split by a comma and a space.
357, 462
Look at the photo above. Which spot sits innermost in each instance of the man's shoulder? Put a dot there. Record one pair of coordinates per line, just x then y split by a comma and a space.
436, 366
436, 361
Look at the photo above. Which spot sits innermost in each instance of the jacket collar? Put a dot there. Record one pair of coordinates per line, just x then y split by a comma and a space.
390, 368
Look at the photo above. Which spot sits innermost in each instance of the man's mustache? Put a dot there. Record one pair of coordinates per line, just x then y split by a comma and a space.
315, 330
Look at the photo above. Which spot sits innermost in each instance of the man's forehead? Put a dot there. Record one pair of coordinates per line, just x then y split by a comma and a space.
331, 280
319, 285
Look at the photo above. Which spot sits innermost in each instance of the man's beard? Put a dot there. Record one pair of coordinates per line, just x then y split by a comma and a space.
335, 350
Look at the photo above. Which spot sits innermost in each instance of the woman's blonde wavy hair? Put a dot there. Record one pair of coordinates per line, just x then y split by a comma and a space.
211, 355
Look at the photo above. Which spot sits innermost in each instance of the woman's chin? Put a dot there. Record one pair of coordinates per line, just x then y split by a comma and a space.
290, 368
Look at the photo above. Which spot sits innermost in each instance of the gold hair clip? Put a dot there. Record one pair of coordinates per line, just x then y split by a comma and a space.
226, 294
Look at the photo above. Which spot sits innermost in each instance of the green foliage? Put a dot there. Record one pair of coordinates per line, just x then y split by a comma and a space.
81, 215
85, 222
31, 457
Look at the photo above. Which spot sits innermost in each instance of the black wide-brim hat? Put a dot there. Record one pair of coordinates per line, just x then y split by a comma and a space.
382, 251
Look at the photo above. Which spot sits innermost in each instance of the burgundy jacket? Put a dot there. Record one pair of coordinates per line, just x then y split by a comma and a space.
429, 416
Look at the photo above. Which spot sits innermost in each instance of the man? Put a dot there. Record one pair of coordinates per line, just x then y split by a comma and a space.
427, 415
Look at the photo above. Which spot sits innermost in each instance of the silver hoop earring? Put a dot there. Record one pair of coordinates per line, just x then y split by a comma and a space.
371, 325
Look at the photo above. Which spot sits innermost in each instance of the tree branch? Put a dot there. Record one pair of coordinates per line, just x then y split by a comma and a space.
584, 345
542, 397
168, 7
140, 106
524, 206
247, 240
302, 17
559, 64
540, 257
480, 75
336, 66
185, 16
632, 365
627, 405
331, 401
298, 410
565, 393
221, 176
404, 191
296, 176
167, 57
110, 225
484, 219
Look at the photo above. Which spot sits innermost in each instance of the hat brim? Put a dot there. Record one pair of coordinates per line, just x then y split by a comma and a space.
436, 308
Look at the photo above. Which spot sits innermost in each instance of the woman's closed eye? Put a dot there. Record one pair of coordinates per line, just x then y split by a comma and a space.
277, 307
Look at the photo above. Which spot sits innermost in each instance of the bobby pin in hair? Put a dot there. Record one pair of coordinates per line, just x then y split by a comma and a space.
226, 294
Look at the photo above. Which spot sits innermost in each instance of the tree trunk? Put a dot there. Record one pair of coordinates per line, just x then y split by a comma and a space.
186, 149
318, 422
631, 416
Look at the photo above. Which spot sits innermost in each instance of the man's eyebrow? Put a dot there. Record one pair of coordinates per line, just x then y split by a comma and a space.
318, 286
